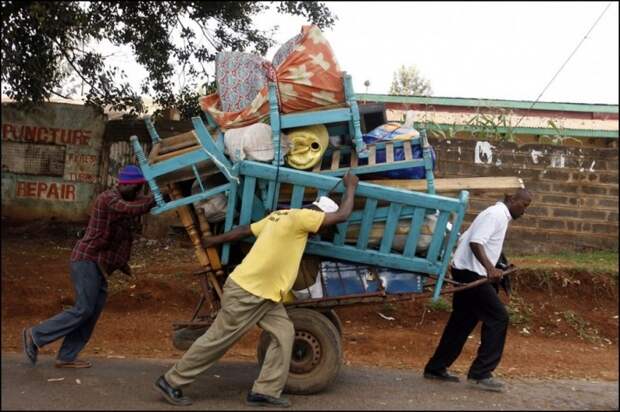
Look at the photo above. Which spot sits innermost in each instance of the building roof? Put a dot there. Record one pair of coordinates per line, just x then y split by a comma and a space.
491, 103
523, 117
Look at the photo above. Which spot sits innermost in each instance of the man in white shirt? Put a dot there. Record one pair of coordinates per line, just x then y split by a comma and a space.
476, 255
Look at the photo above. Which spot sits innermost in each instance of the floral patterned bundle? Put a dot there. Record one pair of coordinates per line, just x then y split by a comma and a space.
309, 78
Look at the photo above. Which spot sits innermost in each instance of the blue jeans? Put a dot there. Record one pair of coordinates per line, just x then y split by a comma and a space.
77, 323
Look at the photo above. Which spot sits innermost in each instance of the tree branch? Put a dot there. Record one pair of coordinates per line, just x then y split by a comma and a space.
70, 61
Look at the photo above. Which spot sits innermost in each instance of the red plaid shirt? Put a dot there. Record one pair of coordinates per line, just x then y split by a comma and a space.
108, 237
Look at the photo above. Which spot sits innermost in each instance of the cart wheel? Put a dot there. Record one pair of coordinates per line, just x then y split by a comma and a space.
183, 338
333, 317
317, 352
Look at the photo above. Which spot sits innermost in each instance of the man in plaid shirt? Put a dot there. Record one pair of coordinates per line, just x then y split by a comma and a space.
105, 247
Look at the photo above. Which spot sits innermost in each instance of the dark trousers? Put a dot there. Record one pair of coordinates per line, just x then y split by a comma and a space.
77, 323
481, 303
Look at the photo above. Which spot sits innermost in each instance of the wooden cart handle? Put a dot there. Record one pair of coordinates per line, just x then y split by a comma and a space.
476, 283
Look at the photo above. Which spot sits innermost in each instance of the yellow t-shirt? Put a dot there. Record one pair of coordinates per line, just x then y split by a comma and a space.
270, 268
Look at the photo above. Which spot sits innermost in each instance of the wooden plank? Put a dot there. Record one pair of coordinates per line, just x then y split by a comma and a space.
177, 139
381, 167
353, 159
228, 223
438, 237
179, 146
297, 197
414, 232
154, 153
205, 231
389, 152
408, 152
341, 235
371, 257
167, 156
455, 184
246, 200
390, 228
185, 215
372, 155
366, 225
326, 183
335, 160
314, 117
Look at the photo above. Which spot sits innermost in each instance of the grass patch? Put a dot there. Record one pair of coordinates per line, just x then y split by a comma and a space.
519, 312
581, 326
605, 261
440, 305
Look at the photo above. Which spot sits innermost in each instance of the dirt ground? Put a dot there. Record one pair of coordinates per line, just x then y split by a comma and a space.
564, 324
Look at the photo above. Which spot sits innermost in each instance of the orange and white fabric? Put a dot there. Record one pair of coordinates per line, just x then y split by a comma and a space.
309, 78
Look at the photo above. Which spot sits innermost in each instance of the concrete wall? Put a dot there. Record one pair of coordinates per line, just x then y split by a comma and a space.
575, 190
50, 161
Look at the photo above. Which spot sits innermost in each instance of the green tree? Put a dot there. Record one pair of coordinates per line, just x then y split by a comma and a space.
407, 81
44, 44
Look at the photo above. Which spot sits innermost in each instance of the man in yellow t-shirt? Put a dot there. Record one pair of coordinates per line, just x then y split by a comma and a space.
253, 295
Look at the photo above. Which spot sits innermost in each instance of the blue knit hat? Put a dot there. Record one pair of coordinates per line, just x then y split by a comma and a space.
130, 175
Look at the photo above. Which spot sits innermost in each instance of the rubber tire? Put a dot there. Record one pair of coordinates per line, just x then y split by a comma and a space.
324, 331
183, 338
333, 317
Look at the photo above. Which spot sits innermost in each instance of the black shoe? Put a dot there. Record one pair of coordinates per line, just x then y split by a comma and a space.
486, 384
442, 376
172, 395
257, 399
30, 349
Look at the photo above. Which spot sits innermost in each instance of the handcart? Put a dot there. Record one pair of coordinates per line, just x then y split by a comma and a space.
347, 268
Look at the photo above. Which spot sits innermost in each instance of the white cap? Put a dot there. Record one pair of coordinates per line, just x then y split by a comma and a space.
326, 204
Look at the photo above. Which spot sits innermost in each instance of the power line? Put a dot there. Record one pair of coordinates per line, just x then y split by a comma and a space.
564, 64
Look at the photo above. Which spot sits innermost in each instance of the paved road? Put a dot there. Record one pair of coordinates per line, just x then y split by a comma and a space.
122, 384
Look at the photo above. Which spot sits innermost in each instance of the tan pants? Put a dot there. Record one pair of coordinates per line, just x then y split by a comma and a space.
241, 311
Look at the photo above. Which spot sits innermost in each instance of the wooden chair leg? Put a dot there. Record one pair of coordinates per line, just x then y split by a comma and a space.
187, 220
205, 231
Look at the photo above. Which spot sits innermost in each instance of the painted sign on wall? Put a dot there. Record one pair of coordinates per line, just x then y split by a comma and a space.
50, 160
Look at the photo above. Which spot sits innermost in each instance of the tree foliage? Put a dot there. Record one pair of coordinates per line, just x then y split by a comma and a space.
408, 81
45, 45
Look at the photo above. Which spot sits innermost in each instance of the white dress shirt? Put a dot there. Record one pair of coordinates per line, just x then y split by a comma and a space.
488, 229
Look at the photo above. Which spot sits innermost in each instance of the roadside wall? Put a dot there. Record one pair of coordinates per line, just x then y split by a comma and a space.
575, 189
50, 161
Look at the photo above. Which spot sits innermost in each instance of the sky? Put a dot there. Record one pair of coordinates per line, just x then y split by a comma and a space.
494, 50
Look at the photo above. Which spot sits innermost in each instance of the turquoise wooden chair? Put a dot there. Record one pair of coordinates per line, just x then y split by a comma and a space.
332, 118
186, 155
382, 204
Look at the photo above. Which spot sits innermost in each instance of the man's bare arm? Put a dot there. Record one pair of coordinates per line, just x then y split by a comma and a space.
237, 233
345, 209
492, 272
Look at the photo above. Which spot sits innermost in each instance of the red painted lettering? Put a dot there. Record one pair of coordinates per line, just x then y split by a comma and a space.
6, 130
46, 190
36, 134
78, 137
42, 187
30, 133
31, 188
41, 135
53, 192
65, 136
21, 189
69, 192
54, 132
